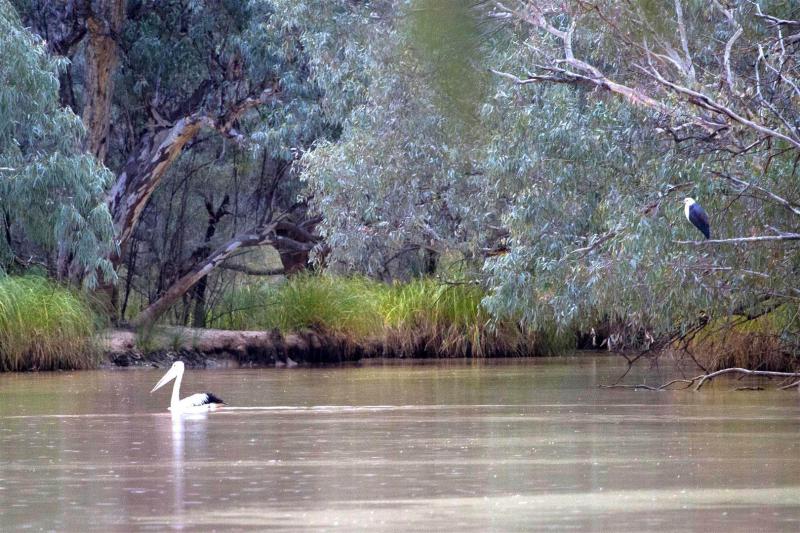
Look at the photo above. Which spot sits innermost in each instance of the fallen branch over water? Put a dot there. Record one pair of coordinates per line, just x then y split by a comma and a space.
765, 373
700, 380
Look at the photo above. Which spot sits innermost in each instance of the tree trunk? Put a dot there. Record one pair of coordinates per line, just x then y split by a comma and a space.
143, 172
199, 292
104, 26
156, 151
199, 297
294, 243
200, 271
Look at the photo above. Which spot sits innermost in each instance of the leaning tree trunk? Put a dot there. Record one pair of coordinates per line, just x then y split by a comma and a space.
104, 26
131, 191
201, 270
156, 151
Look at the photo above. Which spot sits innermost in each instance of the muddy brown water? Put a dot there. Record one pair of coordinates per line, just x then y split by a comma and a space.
451, 446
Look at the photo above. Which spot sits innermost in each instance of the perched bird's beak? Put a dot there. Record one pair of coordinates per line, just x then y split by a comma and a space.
170, 375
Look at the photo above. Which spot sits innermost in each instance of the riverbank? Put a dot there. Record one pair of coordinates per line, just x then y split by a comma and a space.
218, 347
331, 320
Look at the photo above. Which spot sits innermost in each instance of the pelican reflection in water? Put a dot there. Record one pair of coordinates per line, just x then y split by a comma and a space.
196, 403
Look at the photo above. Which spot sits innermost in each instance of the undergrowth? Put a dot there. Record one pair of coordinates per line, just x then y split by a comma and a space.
45, 326
766, 342
423, 317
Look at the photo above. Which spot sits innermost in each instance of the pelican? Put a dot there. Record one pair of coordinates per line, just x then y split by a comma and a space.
196, 403
697, 216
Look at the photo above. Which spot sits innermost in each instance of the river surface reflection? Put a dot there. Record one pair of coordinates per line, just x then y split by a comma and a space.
452, 446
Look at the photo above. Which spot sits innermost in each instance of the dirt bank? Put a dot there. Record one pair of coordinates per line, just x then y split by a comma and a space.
216, 347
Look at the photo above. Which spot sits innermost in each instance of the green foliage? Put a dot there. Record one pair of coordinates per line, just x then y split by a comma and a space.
402, 176
346, 306
50, 192
581, 186
44, 326
446, 36
423, 316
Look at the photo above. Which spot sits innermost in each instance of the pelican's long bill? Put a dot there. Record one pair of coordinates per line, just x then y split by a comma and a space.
171, 374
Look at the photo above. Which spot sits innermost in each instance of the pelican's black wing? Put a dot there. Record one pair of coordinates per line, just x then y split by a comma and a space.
698, 217
200, 399
213, 399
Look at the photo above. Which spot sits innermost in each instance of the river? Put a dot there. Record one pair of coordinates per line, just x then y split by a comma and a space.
451, 446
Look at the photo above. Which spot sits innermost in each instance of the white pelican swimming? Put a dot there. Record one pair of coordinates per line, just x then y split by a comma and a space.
196, 403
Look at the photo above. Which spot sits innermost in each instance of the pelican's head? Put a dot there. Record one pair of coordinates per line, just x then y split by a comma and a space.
688, 201
175, 370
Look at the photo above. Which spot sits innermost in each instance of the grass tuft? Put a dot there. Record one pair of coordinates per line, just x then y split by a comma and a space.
423, 317
767, 342
44, 326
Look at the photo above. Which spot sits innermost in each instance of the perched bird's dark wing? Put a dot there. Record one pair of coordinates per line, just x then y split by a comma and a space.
698, 217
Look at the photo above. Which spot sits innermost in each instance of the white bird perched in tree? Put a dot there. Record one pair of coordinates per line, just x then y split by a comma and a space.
196, 403
697, 216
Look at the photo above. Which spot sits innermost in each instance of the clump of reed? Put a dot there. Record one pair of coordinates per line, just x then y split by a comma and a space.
422, 317
45, 326
333, 305
426, 317
762, 343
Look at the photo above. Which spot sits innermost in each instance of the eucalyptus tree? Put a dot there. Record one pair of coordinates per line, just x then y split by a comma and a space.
402, 184
229, 82
636, 105
52, 194
600, 118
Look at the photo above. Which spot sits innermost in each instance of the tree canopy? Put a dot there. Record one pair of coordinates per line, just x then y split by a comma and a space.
541, 150
52, 192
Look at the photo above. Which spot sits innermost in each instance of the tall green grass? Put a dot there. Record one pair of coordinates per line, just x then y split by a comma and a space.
44, 326
422, 317
767, 342
335, 305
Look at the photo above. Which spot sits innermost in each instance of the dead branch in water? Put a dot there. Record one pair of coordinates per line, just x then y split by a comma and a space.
766, 373
700, 380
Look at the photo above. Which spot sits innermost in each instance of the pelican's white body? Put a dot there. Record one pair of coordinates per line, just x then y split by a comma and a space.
196, 403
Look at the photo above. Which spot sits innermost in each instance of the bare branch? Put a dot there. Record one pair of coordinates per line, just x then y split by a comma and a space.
595, 244
700, 380
533, 78
765, 373
707, 102
746, 240
663, 387
688, 68
726, 59
748, 185
775, 20
791, 385
253, 271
